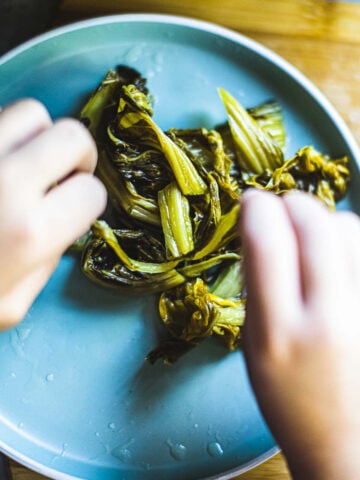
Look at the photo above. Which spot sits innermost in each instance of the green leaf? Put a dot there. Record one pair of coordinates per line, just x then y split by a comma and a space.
256, 150
175, 221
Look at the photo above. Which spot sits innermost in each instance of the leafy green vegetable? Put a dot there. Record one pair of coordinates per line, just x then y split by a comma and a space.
310, 171
175, 221
269, 117
172, 223
191, 313
106, 262
256, 151
134, 119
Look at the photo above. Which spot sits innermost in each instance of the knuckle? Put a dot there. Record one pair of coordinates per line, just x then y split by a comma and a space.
96, 188
75, 132
75, 129
72, 130
92, 196
11, 314
69, 125
35, 108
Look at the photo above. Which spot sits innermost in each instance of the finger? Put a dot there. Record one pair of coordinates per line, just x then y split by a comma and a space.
271, 263
66, 213
320, 252
15, 303
348, 227
21, 122
57, 152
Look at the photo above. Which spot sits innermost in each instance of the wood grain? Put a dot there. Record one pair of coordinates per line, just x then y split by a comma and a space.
321, 38
332, 66
21, 473
310, 18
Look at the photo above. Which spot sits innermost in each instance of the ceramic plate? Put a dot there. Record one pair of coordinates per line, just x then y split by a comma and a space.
77, 399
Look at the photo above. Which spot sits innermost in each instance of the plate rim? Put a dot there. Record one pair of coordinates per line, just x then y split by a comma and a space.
254, 46
209, 27
38, 467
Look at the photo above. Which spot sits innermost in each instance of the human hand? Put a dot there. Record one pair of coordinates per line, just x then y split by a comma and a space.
302, 331
48, 198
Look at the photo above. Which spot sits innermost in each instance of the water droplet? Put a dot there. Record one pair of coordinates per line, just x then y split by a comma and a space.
122, 452
112, 426
214, 449
61, 453
13, 375
177, 450
196, 425
21, 425
63, 449
97, 434
49, 377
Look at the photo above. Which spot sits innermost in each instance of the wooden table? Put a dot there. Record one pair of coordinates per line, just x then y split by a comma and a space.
321, 38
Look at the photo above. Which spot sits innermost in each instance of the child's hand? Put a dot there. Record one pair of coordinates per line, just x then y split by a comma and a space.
48, 198
302, 332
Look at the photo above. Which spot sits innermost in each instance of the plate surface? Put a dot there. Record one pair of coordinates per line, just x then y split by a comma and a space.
77, 399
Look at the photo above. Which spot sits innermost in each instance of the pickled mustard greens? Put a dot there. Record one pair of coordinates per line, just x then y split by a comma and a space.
174, 200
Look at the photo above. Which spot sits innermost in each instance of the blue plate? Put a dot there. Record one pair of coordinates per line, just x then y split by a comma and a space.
77, 399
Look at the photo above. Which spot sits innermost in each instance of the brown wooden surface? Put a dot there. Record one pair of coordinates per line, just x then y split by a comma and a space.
321, 38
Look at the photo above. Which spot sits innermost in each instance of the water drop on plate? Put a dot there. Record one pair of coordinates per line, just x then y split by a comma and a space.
177, 450
63, 449
122, 452
214, 449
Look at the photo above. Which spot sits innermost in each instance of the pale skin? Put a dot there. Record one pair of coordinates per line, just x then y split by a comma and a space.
302, 266
48, 198
302, 334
